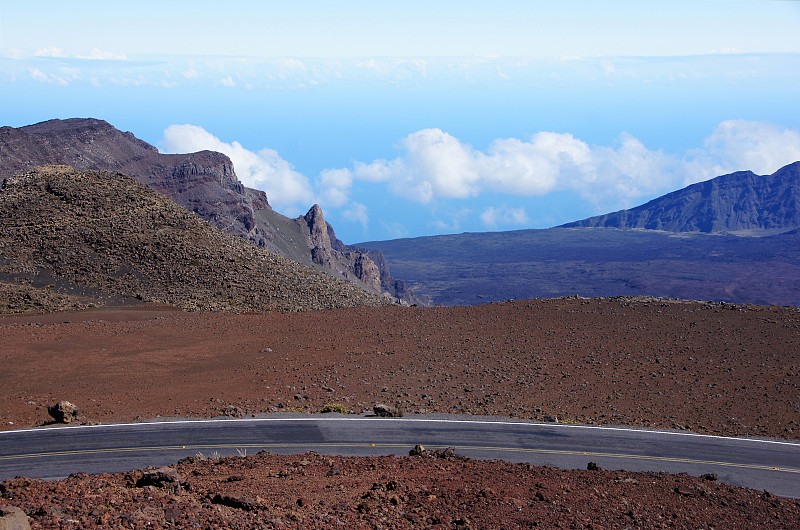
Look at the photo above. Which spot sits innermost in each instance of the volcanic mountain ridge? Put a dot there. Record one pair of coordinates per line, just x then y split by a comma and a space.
737, 202
204, 183
71, 239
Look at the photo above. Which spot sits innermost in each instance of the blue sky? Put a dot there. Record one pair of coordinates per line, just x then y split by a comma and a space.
418, 118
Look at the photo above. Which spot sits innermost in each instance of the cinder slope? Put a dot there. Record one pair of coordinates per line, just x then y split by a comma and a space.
111, 239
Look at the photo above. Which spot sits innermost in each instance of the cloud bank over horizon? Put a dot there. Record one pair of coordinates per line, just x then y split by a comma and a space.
104, 68
434, 168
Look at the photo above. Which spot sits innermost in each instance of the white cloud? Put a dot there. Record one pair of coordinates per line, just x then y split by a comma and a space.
357, 212
51, 51
608, 67
335, 187
725, 50
435, 165
52, 79
532, 168
12, 53
265, 170
504, 216
97, 54
737, 145
503, 75
228, 82
451, 220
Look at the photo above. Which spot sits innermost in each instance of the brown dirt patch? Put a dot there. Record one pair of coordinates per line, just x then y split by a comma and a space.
712, 368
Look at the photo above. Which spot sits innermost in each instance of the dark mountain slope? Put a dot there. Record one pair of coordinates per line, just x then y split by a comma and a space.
204, 183
468, 269
92, 237
741, 201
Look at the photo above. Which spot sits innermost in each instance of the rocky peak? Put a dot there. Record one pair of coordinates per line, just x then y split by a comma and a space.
369, 267
320, 242
329, 252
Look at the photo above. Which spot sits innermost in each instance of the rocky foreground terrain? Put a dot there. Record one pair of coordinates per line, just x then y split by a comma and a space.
709, 367
71, 239
436, 489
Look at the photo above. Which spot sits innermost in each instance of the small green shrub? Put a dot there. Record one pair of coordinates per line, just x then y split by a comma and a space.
334, 408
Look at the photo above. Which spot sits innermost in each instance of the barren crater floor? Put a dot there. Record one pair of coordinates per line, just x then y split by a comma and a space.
711, 368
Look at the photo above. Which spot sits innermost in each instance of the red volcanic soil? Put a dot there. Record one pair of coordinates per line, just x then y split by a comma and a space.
711, 368
439, 490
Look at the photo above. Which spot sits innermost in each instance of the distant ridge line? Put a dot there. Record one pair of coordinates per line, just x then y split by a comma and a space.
735, 202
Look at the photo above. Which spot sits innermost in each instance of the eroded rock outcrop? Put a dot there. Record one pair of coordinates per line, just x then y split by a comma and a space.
331, 254
319, 241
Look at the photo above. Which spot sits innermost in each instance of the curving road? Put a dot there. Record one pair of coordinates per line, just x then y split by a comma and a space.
56, 452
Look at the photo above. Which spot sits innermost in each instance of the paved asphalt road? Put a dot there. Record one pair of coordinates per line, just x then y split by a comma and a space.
56, 452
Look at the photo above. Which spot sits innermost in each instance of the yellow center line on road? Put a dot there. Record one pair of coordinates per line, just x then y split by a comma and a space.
234, 446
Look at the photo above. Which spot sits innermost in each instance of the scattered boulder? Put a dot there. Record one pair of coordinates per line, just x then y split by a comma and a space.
593, 466
709, 476
240, 502
233, 411
447, 453
162, 477
387, 411
13, 518
418, 450
63, 412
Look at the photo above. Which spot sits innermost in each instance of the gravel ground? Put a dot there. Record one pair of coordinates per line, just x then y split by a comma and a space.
712, 368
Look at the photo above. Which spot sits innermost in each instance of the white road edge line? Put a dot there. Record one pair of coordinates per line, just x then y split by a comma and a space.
409, 420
